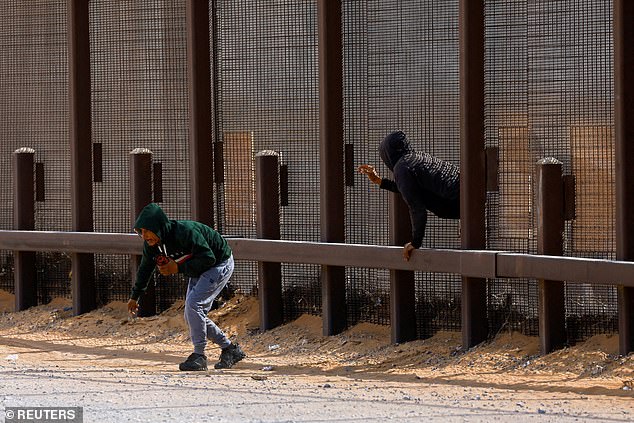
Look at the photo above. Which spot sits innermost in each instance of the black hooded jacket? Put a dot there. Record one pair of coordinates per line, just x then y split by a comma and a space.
424, 181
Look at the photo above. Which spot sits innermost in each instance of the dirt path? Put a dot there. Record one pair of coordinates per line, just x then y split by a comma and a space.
123, 370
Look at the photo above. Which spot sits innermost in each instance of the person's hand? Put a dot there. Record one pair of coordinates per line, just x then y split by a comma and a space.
133, 307
407, 251
370, 172
170, 268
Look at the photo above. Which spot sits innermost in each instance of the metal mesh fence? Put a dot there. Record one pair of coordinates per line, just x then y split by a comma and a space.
549, 92
400, 73
139, 100
269, 101
512, 303
34, 110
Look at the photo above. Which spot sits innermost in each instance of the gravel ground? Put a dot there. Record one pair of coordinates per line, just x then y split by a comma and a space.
120, 370
113, 394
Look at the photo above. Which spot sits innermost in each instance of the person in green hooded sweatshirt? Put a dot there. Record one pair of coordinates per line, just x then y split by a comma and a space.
199, 252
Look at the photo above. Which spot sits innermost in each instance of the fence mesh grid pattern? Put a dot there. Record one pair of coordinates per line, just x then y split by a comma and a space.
548, 92
35, 113
400, 73
139, 99
267, 80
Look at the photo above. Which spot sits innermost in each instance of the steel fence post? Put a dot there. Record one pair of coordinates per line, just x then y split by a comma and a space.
550, 229
268, 227
141, 196
25, 274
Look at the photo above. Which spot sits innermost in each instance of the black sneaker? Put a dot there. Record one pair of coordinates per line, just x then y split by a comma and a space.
195, 362
230, 356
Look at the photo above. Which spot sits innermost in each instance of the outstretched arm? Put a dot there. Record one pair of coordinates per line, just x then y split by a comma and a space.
143, 275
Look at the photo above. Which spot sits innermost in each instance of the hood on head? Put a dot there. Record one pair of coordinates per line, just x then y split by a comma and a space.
393, 147
153, 218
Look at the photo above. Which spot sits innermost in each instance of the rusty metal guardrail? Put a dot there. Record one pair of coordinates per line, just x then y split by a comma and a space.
470, 263
476, 263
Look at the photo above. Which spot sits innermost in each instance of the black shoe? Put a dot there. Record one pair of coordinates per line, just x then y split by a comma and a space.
195, 362
230, 356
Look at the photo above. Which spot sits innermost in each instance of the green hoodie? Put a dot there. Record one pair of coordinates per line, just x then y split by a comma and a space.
179, 239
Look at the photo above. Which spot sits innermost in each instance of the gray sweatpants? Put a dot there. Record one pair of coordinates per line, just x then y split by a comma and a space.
201, 293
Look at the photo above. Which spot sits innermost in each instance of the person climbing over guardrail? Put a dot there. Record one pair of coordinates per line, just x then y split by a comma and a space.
425, 182
198, 251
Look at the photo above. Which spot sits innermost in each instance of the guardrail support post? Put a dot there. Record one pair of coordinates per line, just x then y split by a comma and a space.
141, 196
550, 229
268, 227
24, 219
402, 282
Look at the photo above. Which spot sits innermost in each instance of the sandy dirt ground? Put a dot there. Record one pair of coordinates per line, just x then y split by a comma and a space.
120, 369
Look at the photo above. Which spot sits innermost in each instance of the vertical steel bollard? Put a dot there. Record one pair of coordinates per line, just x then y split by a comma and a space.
141, 196
200, 111
475, 326
24, 219
623, 36
402, 286
331, 160
83, 283
550, 228
268, 227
